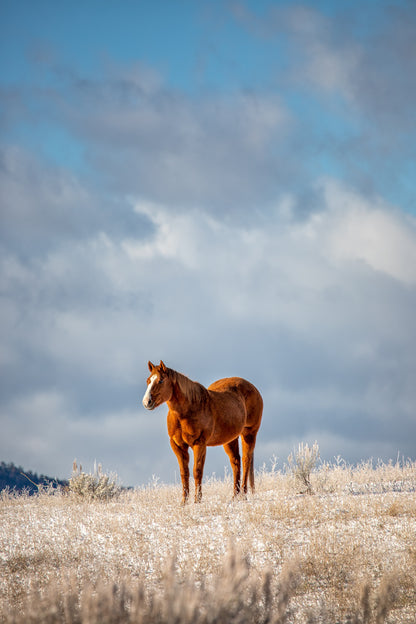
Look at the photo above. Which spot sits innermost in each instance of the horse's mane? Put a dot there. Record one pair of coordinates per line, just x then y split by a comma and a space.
193, 390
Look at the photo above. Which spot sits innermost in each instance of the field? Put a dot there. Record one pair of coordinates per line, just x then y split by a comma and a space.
342, 551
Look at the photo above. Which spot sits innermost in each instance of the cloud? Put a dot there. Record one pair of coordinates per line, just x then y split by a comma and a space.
143, 138
367, 56
44, 431
318, 312
208, 152
382, 238
325, 61
334, 100
198, 228
349, 76
46, 206
383, 84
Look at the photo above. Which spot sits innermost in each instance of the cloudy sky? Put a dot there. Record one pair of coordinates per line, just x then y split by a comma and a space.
227, 186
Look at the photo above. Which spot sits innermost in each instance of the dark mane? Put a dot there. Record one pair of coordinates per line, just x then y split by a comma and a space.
193, 390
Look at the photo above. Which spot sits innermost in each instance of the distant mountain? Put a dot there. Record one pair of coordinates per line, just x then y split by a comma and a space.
18, 479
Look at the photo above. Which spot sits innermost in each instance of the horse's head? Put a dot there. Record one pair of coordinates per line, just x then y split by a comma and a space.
159, 386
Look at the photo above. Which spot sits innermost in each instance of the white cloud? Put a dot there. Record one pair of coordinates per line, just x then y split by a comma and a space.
318, 310
268, 270
366, 230
230, 262
309, 310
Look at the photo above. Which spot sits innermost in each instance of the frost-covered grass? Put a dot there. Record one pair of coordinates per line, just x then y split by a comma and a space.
346, 553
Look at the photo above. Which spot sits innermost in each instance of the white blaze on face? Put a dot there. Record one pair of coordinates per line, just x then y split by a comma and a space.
147, 394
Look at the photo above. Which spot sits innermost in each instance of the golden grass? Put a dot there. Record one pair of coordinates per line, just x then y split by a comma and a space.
346, 553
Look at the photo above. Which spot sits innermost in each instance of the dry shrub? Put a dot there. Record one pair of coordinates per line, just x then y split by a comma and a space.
93, 486
233, 596
302, 462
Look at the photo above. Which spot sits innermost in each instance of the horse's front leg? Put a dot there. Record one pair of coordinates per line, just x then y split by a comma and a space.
200, 451
182, 454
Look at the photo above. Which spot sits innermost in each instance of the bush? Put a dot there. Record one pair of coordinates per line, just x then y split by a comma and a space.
303, 462
95, 486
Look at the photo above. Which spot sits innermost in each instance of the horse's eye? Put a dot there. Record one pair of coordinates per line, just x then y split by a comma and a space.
161, 381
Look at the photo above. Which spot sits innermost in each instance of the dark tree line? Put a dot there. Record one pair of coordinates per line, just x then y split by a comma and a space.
15, 478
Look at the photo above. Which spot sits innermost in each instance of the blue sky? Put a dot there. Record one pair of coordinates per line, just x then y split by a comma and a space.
228, 186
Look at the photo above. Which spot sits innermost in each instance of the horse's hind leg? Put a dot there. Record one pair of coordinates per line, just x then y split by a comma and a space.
248, 442
251, 475
233, 453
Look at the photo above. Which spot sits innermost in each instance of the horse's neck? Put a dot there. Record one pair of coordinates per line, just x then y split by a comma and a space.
187, 392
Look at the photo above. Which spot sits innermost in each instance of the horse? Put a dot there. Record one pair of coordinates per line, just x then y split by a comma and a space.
199, 417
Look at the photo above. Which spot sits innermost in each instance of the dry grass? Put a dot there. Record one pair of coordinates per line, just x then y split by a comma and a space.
345, 554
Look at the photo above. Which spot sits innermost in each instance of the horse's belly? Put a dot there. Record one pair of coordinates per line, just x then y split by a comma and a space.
229, 418
224, 436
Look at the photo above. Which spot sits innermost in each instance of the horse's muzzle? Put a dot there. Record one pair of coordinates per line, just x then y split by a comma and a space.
149, 405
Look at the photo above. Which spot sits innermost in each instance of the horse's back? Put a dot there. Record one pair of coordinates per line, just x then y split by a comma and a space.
234, 384
247, 392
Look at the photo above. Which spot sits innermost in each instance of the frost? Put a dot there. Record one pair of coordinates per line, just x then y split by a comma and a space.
357, 527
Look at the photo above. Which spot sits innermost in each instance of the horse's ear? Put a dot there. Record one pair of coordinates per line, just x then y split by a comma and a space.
162, 367
150, 365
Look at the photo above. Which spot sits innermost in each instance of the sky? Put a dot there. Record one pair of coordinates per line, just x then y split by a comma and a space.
226, 186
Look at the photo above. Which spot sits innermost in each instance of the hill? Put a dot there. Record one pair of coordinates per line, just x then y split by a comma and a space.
18, 479
336, 547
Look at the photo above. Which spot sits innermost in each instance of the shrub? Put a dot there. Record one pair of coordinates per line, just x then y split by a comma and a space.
95, 486
303, 462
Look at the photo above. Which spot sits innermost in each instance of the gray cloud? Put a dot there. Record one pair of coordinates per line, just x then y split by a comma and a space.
367, 56
197, 230
234, 154
215, 152
44, 207
140, 138
356, 69
312, 311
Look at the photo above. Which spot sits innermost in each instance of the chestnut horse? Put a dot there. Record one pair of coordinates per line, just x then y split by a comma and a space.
199, 417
